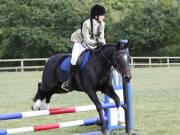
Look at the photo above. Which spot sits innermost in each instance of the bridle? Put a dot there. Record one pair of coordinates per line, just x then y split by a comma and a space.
118, 66
115, 64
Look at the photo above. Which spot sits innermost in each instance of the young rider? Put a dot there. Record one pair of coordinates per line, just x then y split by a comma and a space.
89, 36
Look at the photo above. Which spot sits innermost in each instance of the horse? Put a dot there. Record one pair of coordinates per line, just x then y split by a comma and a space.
93, 76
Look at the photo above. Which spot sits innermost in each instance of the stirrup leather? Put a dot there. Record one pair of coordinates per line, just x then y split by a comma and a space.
63, 86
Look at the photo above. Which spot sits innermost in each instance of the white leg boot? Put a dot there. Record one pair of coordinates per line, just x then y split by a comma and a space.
37, 105
44, 106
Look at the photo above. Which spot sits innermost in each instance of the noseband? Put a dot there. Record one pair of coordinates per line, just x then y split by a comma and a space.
117, 65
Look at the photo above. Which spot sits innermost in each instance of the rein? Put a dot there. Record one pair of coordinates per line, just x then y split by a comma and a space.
106, 59
121, 70
115, 63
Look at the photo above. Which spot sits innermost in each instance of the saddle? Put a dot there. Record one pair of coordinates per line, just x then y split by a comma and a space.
82, 61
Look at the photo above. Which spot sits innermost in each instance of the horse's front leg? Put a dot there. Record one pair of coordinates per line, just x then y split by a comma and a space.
93, 96
109, 90
112, 94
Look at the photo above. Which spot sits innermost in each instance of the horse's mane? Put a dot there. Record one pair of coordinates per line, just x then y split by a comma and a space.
104, 47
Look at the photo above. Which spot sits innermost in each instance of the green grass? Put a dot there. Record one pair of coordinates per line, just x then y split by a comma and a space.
156, 101
155, 92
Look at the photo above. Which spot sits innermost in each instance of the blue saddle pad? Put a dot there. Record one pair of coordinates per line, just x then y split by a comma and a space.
65, 65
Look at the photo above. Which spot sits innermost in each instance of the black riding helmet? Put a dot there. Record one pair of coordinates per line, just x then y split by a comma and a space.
97, 10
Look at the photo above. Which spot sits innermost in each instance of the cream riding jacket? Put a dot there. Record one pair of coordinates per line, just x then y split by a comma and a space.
84, 35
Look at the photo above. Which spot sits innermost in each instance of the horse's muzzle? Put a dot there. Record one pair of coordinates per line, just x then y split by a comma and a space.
127, 74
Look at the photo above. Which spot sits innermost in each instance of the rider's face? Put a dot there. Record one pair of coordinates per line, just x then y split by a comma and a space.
100, 18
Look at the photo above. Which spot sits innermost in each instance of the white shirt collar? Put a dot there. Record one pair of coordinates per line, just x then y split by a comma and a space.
96, 22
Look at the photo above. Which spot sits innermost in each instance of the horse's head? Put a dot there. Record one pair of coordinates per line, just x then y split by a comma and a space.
122, 59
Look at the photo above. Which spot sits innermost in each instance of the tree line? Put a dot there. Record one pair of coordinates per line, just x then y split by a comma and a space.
41, 28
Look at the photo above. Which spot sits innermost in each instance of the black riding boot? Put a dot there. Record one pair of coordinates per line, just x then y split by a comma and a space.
68, 84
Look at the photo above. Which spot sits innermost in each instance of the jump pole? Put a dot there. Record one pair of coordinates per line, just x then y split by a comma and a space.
49, 126
54, 111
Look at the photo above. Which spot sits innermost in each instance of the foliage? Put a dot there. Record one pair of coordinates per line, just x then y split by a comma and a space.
150, 26
40, 28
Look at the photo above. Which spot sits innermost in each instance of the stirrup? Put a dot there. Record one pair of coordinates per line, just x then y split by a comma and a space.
64, 88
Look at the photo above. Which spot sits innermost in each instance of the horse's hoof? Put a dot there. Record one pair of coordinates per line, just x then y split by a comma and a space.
35, 108
121, 123
36, 105
44, 106
104, 132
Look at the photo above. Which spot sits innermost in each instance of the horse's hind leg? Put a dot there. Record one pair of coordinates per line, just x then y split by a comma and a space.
45, 105
39, 97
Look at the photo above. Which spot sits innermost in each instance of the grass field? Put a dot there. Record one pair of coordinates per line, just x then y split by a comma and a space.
156, 102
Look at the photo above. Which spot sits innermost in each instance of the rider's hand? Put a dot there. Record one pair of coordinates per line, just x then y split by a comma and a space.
91, 47
99, 44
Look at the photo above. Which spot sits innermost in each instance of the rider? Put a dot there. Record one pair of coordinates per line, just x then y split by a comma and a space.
89, 36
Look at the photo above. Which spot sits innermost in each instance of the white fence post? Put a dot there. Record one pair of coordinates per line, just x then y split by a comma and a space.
168, 62
150, 61
22, 65
132, 61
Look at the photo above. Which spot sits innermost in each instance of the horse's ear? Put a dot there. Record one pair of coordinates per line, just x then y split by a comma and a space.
122, 44
117, 47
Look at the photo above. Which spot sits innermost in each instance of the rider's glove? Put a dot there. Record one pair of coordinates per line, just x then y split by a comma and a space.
99, 44
91, 46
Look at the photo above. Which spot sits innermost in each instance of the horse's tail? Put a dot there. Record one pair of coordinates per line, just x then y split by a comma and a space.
37, 95
39, 84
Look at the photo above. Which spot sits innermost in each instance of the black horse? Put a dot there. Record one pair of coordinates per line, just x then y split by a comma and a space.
94, 76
